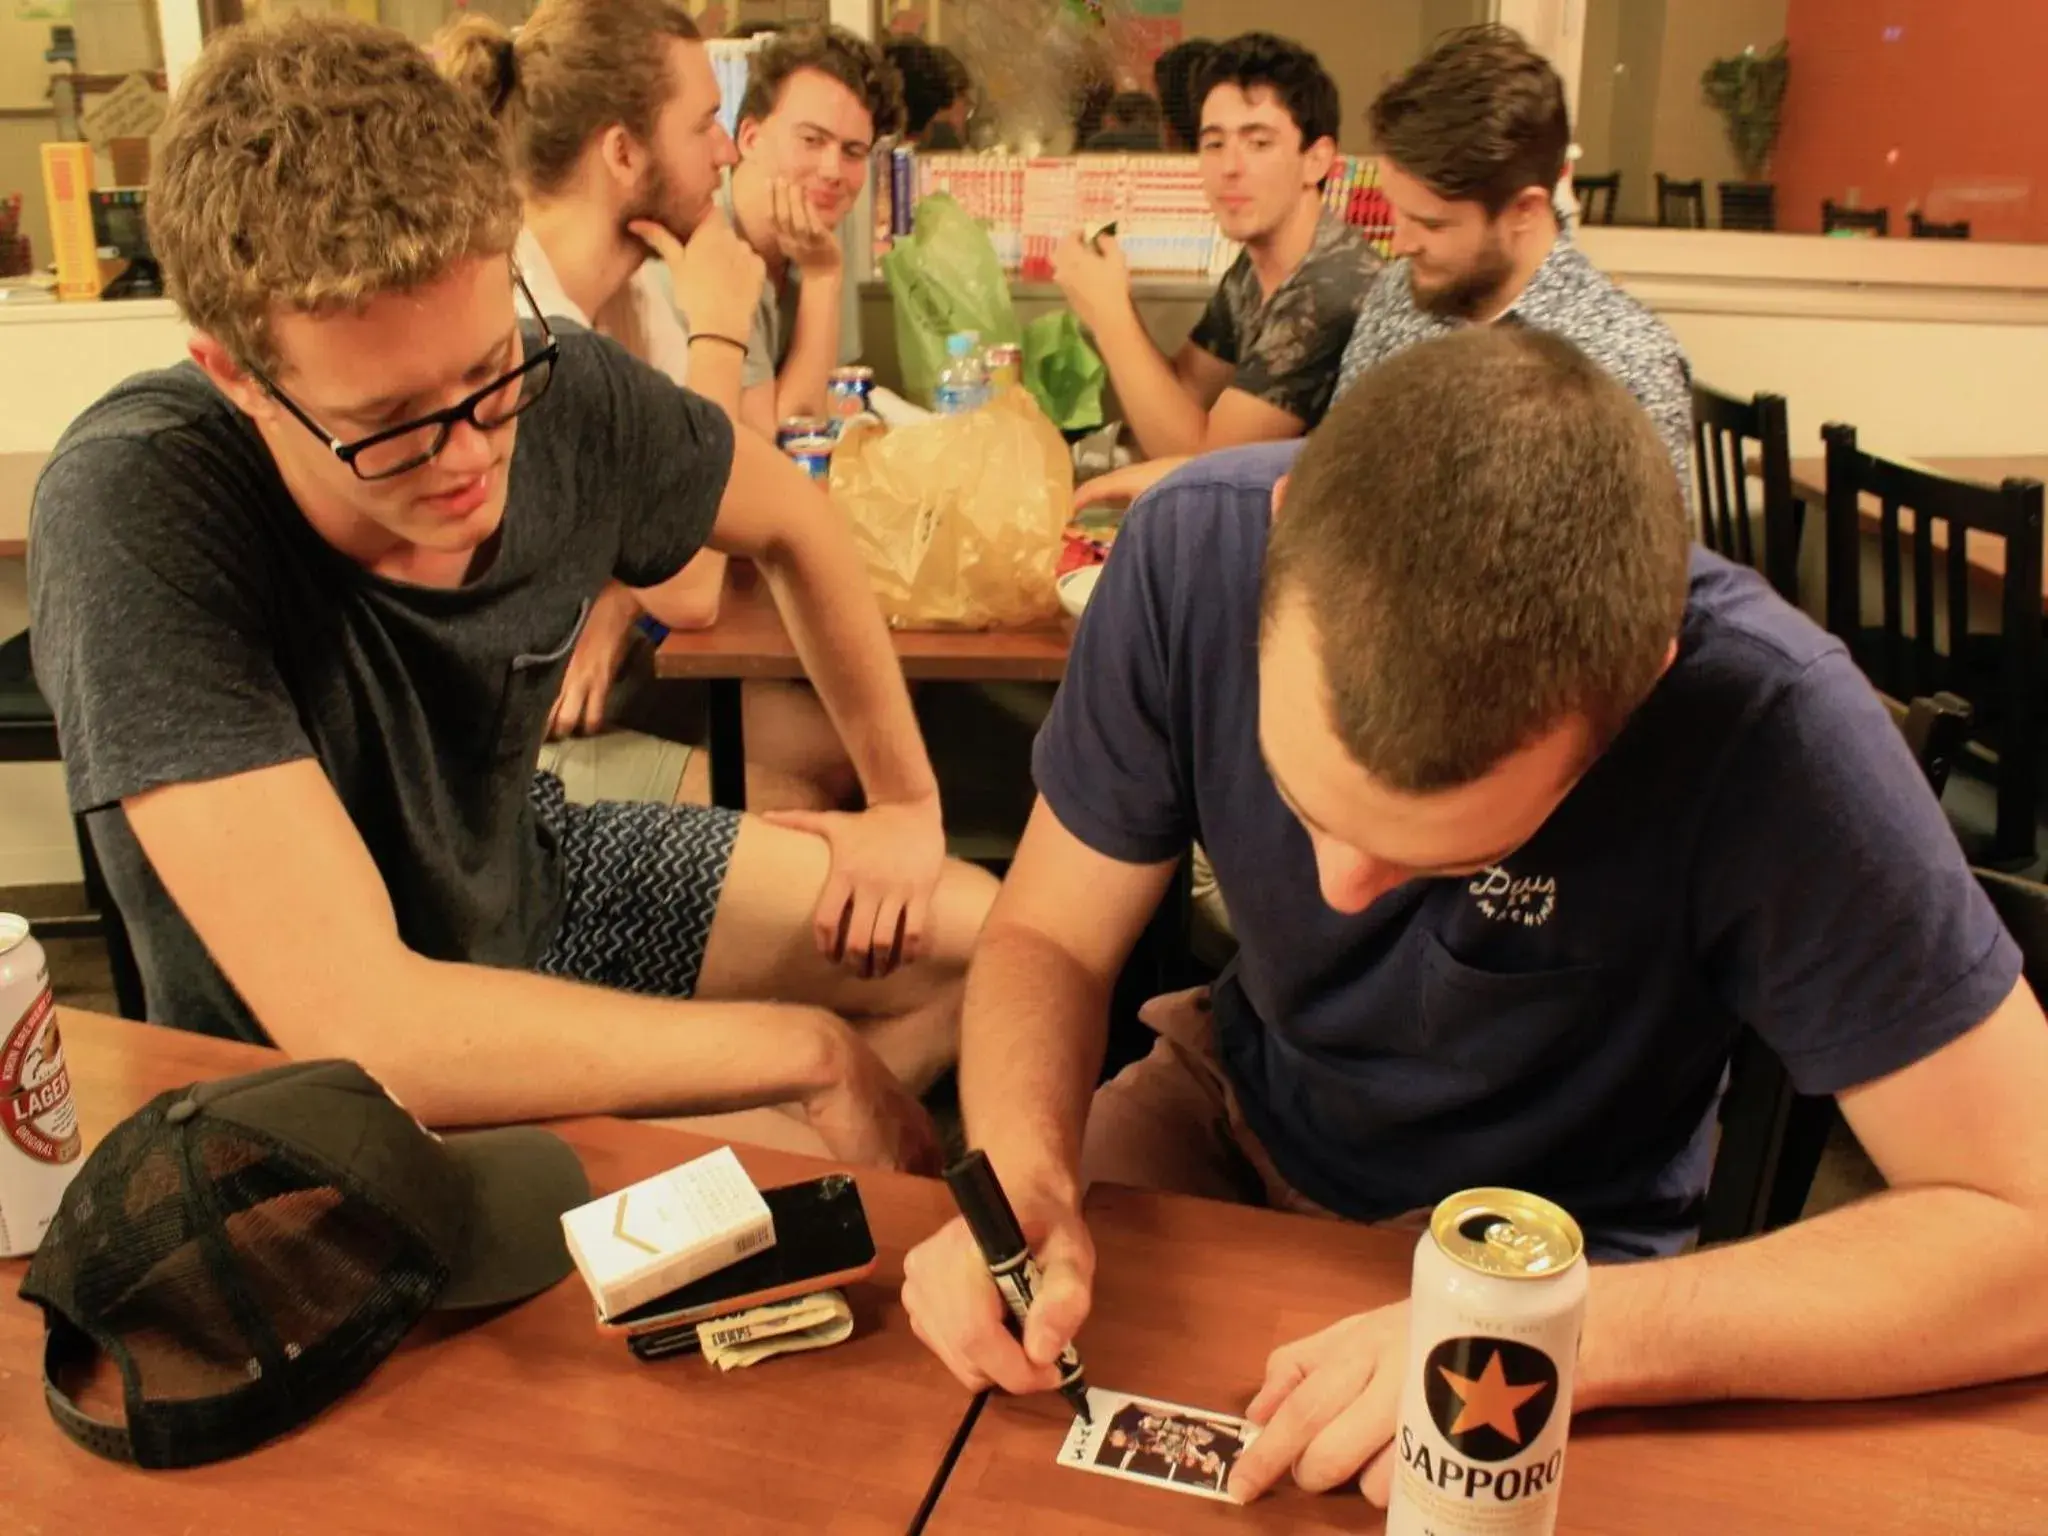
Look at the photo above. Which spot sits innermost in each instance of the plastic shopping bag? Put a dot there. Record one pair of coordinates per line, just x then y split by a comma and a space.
960, 517
944, 277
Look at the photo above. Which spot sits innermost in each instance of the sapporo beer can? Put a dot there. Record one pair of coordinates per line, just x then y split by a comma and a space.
1486, 1404
39, 1140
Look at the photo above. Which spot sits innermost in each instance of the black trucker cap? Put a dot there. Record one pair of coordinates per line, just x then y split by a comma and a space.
247, 1251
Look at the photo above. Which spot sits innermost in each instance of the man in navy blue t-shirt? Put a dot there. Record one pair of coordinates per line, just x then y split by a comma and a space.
1522, 807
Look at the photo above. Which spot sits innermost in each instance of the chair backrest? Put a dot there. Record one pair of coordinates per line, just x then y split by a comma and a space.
1926, 229
1722, 426
1865, 221
1748, 204
1597, 195
2023, 908
1905, 655
1936, 728
1681, 204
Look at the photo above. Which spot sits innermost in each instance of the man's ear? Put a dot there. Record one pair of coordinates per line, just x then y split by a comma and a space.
622, 156
1528, 207
748, 136
228, 376
1279, 494
1319, 159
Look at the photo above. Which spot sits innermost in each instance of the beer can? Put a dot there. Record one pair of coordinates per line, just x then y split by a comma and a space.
812, 455
849, 392
793, 428
1005, 366
1494, 1320
39, 1142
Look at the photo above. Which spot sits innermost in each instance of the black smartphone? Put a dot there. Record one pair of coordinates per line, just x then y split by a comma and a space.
821, 1241
1095, 240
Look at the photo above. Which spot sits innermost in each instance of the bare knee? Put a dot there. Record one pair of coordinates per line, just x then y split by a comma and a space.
960, 906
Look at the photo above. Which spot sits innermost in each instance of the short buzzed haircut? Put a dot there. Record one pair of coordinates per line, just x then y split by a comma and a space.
1478, 120
1489, 541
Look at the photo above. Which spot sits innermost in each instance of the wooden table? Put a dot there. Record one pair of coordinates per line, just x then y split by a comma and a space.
18, 473
1192, 1296
1986, 553
749, 642
528, 1420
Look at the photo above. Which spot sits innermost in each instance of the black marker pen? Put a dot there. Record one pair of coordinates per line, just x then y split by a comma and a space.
994, 1225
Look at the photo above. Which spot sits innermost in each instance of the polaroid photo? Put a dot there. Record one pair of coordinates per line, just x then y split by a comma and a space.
1168, 1445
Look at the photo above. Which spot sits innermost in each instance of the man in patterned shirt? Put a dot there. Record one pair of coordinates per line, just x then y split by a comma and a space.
1472, 141
1261, 364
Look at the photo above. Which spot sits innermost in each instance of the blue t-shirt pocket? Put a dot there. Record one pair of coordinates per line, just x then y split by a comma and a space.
1501, 1029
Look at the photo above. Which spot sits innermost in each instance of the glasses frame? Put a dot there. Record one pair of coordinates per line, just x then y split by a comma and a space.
444, 420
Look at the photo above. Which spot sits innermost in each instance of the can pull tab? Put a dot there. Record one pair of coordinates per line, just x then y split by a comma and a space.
1528, 1251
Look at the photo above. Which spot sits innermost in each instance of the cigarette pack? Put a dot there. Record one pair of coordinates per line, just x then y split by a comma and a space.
651, 1237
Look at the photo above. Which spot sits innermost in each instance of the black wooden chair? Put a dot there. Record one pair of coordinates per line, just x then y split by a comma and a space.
2000, 675
1862, 221
28, 734
1681, 204
1597, 196
1751, 205
1927, 229
1722, 427
1772, 1137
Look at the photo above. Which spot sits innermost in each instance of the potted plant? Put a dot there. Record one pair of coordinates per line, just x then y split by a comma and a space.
1748, 91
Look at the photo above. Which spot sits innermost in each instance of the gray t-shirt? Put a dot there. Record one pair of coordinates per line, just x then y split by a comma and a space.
189, 624
774, 316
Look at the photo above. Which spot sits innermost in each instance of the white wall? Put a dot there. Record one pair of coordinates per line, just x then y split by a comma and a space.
59, 358
1925, 390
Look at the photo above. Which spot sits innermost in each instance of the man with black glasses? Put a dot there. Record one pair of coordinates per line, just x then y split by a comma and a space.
303, 609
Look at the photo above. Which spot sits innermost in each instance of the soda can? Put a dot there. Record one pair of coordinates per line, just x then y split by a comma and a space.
1005, 366
1494, 1320
791, 428
812, 455
39, 1142
849, 392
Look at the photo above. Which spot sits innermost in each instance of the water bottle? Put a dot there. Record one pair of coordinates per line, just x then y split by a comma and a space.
963, 382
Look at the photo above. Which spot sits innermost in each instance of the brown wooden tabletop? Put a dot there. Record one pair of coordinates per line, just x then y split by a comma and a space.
1987, 553
528, 1419
18, 473
1192, 1296
749, 641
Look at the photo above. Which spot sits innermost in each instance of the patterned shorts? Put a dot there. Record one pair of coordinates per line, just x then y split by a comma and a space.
642, 884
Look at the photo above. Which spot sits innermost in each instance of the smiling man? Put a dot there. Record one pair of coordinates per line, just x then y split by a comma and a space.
817, 99
304, 603
1542, 807
1261, 364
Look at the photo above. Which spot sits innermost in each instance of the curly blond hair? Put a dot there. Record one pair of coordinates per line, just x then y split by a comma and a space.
576, 68
311, 164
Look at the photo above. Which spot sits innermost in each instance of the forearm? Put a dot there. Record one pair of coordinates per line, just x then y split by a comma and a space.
813, 348
690, 598
1034, 1027
476, 1045
1164, 417
821, 586
1910, 1291
715, 369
